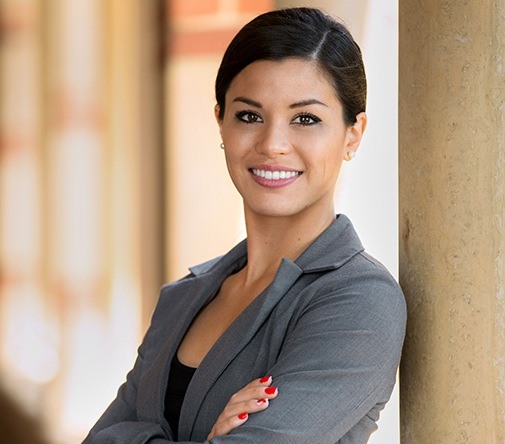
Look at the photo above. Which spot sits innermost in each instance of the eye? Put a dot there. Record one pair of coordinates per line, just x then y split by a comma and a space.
248, 117
306, 119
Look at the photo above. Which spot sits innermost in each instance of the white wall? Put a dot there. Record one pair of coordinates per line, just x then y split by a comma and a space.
368, 186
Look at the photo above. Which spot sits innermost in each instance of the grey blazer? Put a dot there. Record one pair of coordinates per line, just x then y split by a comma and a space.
329, 329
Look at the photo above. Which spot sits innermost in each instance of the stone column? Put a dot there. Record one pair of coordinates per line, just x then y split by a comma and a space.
452, 220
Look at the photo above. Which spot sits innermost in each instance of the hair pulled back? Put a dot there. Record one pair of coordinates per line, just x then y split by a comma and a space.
304, 33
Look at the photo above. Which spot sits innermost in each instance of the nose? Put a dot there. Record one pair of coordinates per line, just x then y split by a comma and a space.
274, 140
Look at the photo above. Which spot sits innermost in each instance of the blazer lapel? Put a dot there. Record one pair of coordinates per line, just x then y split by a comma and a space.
168, 333
179, 303
231, 342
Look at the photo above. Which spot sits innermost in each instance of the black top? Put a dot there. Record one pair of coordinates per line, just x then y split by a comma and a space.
178, 382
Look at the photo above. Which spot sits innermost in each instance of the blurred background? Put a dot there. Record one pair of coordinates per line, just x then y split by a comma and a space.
112, 183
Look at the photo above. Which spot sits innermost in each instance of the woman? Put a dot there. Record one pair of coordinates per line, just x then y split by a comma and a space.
295, 335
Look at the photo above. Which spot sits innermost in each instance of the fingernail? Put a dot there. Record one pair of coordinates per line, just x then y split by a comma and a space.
270, 390
242, 415
261, 401
264, 379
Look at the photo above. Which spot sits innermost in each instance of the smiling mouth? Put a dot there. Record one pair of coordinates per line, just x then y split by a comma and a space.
274, 175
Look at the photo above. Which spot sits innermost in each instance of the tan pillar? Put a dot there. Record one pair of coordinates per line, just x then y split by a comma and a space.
452, 220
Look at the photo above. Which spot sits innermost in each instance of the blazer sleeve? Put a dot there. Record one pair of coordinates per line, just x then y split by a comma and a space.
119, 423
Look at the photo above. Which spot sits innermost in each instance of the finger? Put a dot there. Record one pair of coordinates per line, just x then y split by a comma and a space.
265, 381
253, 398
257, 388
225, 427
250, 406
236, 410
256, 393
227, 421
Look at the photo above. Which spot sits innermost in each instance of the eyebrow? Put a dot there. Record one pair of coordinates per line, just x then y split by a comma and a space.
293, 105
306, 103
248, 102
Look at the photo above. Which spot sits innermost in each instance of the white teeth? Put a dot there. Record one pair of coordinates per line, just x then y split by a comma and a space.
275, 175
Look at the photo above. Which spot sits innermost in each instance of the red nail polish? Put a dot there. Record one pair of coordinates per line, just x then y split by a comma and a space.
270, 390
261, 401
264, 379
242, 415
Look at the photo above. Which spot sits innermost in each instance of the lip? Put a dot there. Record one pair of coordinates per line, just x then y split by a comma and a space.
274, 183
272, 168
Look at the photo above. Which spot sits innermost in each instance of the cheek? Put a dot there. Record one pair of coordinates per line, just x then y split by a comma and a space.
325, 151
228, 156
234, 162
232, 137
239, 144
327, 161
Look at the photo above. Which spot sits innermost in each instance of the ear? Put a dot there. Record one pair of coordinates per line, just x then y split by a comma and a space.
219, 121
355, 133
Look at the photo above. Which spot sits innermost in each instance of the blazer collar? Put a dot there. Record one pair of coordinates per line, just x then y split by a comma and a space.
235, 258
330, 250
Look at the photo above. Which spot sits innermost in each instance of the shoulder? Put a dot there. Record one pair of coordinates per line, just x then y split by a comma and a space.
362, 294
365, 277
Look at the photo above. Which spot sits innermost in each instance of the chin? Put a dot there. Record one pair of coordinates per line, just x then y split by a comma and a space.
275, 210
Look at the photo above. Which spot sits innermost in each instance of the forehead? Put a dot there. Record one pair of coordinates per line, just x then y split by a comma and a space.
289, 79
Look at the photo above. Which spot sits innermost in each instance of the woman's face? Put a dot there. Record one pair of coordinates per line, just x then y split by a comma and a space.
285, 137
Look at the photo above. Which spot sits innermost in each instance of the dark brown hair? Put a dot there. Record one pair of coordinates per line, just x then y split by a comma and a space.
304, 33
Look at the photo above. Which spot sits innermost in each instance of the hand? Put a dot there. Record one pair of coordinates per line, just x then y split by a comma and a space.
254, 397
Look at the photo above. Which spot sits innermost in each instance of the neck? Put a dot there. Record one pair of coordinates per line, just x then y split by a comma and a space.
269, 239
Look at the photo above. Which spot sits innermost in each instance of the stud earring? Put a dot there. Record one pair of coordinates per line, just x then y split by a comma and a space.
350, 155
222, 145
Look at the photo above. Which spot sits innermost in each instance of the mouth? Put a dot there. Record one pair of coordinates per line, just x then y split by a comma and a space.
274, 175
270, 176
